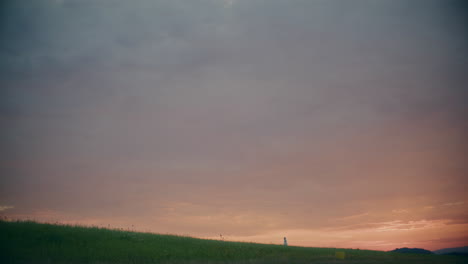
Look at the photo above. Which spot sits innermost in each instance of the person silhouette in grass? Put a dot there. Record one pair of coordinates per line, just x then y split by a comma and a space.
285, 241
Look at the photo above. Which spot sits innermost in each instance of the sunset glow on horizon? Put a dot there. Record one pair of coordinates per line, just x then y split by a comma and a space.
332, 123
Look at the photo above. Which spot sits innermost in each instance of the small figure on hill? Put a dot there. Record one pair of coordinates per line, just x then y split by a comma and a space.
285, 241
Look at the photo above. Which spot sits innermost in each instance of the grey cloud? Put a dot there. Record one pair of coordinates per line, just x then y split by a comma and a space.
285, 108
53, 35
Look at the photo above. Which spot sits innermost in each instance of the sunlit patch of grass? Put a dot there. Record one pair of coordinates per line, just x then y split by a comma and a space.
30, 242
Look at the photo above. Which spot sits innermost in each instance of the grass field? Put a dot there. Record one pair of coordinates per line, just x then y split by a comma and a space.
29, 242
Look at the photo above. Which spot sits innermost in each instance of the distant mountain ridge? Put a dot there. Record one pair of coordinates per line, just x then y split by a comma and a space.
412, 250
451, 251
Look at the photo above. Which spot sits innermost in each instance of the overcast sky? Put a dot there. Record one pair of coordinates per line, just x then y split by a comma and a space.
333, 123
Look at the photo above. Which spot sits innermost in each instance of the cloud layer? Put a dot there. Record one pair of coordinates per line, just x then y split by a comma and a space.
327, 120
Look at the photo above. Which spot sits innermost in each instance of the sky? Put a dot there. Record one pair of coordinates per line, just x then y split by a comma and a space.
332, 123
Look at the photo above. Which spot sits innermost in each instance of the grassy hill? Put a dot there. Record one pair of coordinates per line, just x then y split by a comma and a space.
29, 242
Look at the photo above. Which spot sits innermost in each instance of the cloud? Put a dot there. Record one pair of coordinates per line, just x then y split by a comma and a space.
5, 207
395, 225
400, 211
454, 203
354, 216
398, 225
461, 240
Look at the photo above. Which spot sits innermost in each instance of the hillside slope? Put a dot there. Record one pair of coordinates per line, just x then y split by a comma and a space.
29, 242
458, 250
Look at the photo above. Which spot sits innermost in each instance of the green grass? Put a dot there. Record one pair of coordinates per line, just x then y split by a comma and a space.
30, 242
